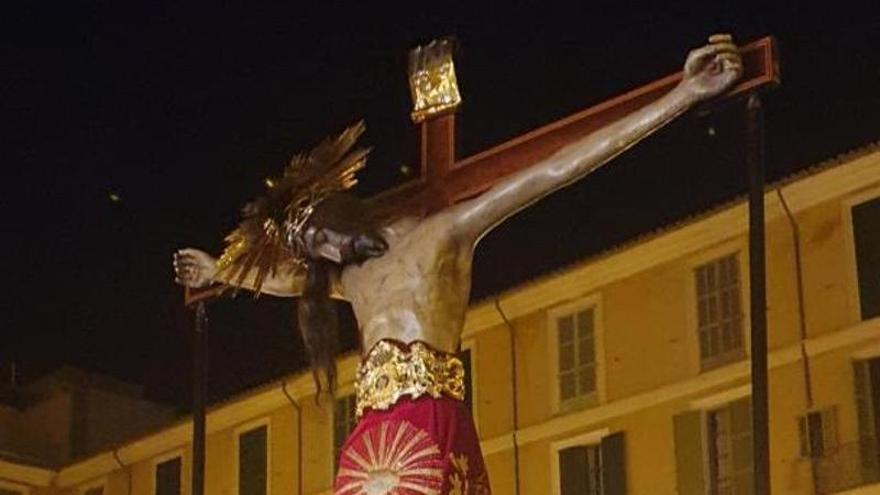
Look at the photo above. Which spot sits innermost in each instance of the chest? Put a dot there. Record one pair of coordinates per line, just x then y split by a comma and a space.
416, 265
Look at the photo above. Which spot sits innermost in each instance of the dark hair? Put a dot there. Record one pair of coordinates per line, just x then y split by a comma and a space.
319, 323
316, 316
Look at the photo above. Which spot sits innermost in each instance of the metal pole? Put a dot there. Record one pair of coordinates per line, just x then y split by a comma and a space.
758, 293
200, 366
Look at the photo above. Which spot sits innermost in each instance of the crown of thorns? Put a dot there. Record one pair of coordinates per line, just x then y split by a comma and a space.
269, 239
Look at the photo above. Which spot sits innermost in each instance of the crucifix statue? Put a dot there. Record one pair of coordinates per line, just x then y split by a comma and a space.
403, 261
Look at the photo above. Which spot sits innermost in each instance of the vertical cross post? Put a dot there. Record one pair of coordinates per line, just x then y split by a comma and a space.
437, 156
435, 94
758, 294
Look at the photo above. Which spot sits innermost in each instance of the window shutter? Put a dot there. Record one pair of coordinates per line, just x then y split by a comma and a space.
866, 231
168, 477
574, 470
829, 429
688, 428
866, 419
614, 465
815, 427
803, 436
252, 462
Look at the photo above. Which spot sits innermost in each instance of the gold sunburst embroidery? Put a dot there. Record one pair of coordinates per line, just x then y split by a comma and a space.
391, 458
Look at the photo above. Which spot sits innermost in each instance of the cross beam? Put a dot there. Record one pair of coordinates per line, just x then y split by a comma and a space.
444, 181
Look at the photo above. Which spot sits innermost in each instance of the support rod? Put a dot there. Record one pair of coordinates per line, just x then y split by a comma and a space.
758, 293
200, 367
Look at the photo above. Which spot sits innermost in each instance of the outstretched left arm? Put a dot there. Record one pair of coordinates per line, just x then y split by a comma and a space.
709, 71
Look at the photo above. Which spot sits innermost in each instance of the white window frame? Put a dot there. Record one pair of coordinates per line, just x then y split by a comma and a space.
852, 267
594, 302
244, 428
7, 485
739, 247
471, 345
173, 454
101, 483
869, 351
589, 439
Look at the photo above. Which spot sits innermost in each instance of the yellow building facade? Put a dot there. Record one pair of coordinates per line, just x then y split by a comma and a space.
627, 373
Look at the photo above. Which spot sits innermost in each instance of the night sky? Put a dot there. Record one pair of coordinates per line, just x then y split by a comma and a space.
131, 129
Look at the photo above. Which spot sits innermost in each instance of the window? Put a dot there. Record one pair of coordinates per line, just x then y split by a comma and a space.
465, 356
719, 311
98, 490
168, 477
817, 431
576, 374
866, 376
580, 471
713, 450
7, 491
253, 461
841, 466
344, 410
729, 434
593, 469
866, 237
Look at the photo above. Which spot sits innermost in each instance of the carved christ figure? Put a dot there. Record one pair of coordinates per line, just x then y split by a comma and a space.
408, 281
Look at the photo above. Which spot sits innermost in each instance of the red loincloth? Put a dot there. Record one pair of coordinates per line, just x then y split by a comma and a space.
421, 446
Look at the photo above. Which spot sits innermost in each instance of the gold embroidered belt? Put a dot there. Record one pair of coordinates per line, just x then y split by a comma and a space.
391, 371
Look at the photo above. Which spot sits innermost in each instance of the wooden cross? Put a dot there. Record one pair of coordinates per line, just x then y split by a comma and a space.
444, 181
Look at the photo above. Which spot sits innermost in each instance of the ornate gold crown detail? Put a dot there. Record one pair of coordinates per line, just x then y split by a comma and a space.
432, 79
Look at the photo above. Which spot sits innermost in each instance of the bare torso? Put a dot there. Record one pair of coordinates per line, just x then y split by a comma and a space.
417, 290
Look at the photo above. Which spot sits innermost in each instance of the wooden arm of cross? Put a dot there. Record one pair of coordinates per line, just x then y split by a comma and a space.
444, 181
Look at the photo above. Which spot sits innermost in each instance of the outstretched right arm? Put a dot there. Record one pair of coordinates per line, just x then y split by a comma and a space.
196, 269
708, 72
